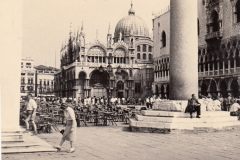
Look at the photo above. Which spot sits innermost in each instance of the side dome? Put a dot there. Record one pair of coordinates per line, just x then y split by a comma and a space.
131, 22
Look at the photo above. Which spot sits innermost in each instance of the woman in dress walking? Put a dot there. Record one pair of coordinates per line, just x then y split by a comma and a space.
70, 130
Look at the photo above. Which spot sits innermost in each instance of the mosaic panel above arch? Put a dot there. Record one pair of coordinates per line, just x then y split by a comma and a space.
120, 52
97, 51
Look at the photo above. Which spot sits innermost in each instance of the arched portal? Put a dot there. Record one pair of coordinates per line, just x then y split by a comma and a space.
156, 90
120, 88
167, 91
99, 81
213, 89
162, 92
215, 23
235, 88
223, 89
204, 88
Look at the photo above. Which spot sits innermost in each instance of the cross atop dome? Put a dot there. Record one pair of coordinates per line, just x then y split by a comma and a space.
131, 10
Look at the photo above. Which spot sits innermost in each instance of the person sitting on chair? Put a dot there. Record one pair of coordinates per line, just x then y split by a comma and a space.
194, 105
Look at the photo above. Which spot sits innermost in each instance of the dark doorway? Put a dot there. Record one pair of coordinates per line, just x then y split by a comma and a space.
215, 23
204, 88
162, 91
156, 89
223, 89
235, 88
213, 89
99, 78
120, 94
167, 92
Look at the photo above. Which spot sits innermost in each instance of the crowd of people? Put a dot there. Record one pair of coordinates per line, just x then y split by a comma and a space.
219, 102
212, 103
69, 106
89, 101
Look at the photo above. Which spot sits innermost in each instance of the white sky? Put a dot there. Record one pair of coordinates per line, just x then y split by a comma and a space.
46, 23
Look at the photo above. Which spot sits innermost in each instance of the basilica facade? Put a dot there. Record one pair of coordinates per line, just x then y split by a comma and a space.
218, 44
120, 68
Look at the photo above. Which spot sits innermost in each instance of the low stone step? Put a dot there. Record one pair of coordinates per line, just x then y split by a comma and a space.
154, 113
12, 139
186, 120
159, 125
11, 145
11, 134
28, 149
181, 125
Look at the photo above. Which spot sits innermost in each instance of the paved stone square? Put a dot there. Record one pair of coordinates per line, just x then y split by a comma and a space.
117, 142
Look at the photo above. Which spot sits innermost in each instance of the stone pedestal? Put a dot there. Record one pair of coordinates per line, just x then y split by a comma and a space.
179, 122
171, 105
183, 49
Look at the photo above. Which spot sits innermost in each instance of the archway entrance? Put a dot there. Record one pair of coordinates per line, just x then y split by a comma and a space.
167, 91
162, 92
156, 90
204, 88
213, 89
120, 88
223, 89
215, 23
235, 88
99, 81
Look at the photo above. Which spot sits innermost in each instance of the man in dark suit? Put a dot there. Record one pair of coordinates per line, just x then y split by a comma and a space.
194, 105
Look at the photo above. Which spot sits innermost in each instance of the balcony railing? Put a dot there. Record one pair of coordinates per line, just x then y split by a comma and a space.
219, 72
91, 64
217, 35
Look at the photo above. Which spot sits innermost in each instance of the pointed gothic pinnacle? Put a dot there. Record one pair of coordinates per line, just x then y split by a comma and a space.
109, 29
82, 26
70, 29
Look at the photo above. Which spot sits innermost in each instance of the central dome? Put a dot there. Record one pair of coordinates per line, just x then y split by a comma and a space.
131, 24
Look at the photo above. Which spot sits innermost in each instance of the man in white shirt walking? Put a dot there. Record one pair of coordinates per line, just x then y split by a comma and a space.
31, 107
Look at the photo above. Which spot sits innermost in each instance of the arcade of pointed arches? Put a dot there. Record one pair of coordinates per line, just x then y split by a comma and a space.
218, 59
220, 87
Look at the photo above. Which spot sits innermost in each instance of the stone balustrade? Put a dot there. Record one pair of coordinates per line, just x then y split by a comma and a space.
217, 34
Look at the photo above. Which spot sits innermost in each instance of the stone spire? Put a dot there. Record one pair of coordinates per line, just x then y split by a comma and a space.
82, 31
70, 32
109, 38
82, 37
77, 34
109, 33
131, 10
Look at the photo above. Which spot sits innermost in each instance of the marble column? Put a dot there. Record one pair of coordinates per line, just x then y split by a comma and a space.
183, 49
204, 69
10, 64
